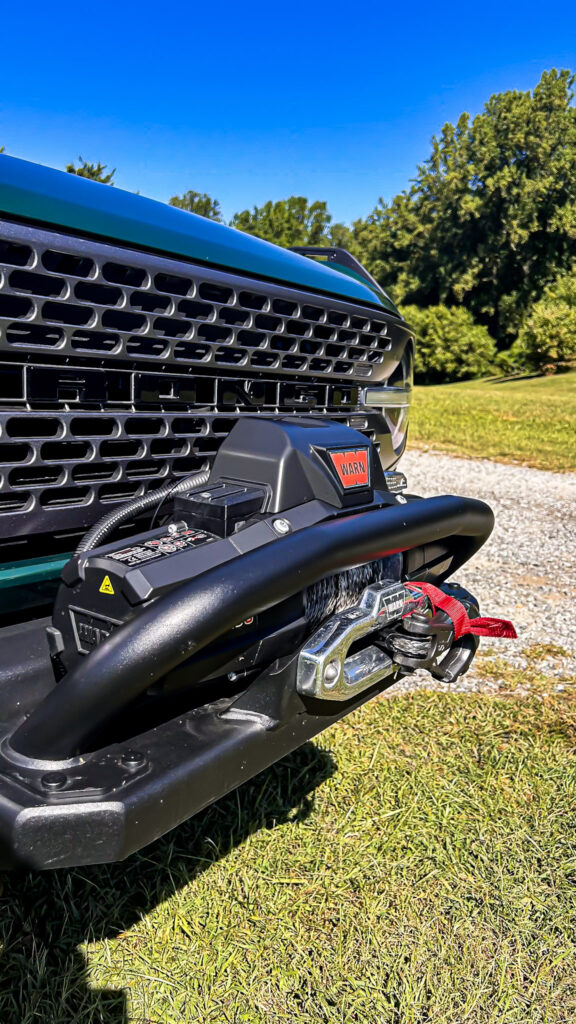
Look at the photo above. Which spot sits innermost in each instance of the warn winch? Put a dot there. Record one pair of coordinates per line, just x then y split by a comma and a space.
262, 602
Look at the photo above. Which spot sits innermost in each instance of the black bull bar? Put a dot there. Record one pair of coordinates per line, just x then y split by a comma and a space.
59, 809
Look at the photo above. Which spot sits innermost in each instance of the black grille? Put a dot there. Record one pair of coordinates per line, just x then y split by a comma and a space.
70, 296
120, 370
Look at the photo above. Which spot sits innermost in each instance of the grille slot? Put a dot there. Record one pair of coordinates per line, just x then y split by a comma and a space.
68, 263
33, 426
123, 449
36, 284
15, 306
93, 427
13, 254
94, 474
34, 334
63, 497
14, 501
15, 452
35, 476
119, 492
120, 320
172, 283
64, 451
119, 273
94, 341
149, 302
144, 469
101, 294
66, 313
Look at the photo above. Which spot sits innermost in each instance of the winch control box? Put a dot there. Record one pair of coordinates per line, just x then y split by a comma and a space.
221, 507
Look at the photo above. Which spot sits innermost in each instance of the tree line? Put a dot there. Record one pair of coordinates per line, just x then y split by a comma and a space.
479, 252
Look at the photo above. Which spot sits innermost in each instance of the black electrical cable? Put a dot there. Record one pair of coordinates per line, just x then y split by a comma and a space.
171, 490
105, 526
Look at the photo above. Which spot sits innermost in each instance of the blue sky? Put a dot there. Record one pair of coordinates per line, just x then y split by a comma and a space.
253, 101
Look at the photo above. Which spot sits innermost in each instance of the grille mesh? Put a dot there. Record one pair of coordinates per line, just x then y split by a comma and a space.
71, 297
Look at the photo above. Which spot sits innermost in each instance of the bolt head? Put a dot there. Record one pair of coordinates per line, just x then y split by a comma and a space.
54, 781
133, 759
332, 673
282, 527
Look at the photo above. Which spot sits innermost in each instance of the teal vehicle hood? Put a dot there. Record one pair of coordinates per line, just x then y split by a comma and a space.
32, 192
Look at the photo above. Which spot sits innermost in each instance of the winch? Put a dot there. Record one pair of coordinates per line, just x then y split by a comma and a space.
269, 480
222, 620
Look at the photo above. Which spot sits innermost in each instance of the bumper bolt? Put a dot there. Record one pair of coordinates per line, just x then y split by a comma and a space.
54, 780
133, 759
281, 527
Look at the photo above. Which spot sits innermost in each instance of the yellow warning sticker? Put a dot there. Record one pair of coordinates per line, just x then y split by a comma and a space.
106, 586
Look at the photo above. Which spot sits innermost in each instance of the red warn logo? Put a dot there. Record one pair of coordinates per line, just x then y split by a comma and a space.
352, 467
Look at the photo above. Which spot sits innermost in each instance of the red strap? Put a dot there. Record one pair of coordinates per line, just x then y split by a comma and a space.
457, 613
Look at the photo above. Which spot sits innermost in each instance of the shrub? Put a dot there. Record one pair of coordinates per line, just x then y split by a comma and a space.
547, 340
509, 362
449, 344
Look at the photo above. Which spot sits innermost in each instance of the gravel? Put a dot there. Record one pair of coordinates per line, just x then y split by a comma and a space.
525, 571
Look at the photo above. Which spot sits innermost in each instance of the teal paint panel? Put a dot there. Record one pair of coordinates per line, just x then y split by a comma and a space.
33, 570
33, 192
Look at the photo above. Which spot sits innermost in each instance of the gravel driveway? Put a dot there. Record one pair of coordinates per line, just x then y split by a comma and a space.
526, 570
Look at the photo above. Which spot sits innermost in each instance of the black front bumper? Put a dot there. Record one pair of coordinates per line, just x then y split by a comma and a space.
119, 800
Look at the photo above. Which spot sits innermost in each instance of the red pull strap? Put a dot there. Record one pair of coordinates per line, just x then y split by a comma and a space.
457, 613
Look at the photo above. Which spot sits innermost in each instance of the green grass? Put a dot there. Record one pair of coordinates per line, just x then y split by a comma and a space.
416, 866
530, 421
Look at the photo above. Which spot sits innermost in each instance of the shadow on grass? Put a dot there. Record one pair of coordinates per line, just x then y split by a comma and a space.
44, 918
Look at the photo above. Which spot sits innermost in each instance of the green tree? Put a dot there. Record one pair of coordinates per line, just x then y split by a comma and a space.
491, 216
449, 345
547, 340
293, 221
96, 172
198, 202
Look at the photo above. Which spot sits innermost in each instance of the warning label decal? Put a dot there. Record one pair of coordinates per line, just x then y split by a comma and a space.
106, 586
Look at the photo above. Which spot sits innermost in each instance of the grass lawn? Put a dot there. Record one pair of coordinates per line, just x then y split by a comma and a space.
416, 866
529, 421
